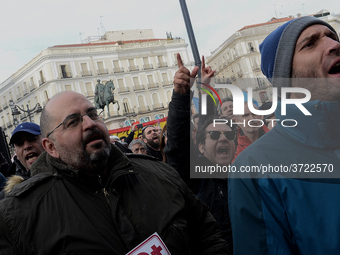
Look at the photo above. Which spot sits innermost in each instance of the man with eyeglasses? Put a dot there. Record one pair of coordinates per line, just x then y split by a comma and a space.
86, 196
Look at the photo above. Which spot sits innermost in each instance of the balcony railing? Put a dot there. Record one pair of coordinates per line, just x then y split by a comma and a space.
239, 74
19, 95
222, 81
4, 106
167, 83
102, 71
256, 68
25, 92
123, 90
42, 81
22, 116
153, 85
86, 73
32, 87
9, 124
118, 70
138, 87
133, 68
158, 106
162, 64
65, 75
143, 109
89, 94
147, 66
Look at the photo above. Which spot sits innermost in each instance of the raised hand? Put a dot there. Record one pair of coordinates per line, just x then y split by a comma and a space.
206, 72
183, 79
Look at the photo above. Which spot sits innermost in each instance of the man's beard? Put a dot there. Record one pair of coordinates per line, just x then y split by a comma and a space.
153, 144
83, 160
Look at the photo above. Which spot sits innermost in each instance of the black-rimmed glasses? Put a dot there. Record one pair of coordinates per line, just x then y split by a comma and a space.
73, 120
215, 135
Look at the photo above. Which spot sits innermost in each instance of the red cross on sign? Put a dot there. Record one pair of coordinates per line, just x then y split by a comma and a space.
153, 245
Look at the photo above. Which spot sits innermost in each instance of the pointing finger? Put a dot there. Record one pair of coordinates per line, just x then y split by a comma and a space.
179, 61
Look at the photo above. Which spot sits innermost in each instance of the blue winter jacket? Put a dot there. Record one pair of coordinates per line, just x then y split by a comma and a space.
297, 211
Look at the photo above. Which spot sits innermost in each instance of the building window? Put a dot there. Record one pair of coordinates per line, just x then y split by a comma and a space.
144, 119
251, 47
129, 123
159, 116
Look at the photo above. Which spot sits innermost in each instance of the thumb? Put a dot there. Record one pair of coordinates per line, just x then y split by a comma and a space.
194, 72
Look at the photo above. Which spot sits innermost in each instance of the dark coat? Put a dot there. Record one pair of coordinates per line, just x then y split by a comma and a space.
17, 169
180, 151
154, 153
60, 210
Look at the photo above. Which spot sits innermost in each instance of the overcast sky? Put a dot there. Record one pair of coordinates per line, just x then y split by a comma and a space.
29, 26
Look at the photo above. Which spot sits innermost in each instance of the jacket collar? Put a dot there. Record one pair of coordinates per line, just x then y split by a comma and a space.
118, 164
320, 130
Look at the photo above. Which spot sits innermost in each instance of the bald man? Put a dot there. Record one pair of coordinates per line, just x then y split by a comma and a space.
95, 199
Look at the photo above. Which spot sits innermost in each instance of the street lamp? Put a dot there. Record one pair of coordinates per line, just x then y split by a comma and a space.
37, 108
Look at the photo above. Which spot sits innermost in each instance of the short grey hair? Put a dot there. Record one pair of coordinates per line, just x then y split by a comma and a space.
136, 141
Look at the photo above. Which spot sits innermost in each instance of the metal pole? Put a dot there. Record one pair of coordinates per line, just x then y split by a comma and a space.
29, 113
191, 35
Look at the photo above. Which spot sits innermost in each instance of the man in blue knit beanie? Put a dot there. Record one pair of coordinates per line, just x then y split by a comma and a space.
284, 196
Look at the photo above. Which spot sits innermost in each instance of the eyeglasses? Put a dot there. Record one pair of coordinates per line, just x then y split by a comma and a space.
215, 135
72, 121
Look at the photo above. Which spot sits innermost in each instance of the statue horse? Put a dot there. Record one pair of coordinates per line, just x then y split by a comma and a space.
107, 99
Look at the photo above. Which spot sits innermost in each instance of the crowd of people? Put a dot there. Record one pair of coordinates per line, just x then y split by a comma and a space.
100, 194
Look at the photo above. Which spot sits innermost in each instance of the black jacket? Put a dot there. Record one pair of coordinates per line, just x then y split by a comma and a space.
180, 150
157, 154
177, 149
16, 168
60, 210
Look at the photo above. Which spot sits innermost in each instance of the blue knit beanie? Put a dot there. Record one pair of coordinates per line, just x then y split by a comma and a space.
277, 49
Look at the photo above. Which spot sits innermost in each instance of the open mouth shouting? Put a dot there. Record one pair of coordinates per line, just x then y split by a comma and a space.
31, 157
335, 68
155, 139
223, 151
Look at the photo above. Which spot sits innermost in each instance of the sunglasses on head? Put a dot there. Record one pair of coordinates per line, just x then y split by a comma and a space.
215, 135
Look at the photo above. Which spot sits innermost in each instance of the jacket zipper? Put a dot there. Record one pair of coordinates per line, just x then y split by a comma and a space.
106, 194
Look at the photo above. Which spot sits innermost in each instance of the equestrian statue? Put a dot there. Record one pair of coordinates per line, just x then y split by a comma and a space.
103, 95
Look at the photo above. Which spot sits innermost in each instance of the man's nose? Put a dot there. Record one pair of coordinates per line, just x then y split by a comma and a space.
27, 145
333, 46
88, 122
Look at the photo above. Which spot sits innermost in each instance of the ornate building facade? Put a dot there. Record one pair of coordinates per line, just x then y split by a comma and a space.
140, 66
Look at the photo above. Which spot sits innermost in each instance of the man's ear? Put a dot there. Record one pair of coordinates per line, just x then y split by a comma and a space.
145, 140
201, 148
49, 146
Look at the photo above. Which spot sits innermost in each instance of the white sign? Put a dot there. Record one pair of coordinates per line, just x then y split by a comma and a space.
153, 245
